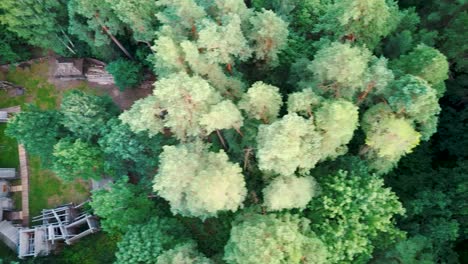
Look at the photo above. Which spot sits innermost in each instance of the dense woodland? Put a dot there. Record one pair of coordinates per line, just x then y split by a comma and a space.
313, 131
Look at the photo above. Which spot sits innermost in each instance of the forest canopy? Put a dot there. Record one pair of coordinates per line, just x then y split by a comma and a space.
278, 131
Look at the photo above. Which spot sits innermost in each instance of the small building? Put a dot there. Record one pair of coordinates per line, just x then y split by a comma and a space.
69, 69
8, 173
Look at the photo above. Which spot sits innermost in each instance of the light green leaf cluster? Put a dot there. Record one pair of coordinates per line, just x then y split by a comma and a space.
208, 38
351, 213
392, 138
303, 102
189, 106
427, 63
340, 69
269, 34
289, 144
417, 100
193, 106
336, 120
199, 183
289, 192
186, 99
388, 137
142, 244
227, 85
225, 7
223, 115
183, 254
170, 58
262, 101
366, 21
78, 159
271, 239
144, 116
223, 43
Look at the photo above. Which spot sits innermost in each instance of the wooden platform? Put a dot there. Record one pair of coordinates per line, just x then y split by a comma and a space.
13, 109
24, 173
16, 188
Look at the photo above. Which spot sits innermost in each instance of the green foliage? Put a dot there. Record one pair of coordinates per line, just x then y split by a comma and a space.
127, 74
77, 159
209, 39
269, 34
427, 63
274, 239
183, 253
87, 19
37, 129
262, 102
84, 114
39, 23
144, 243
199, 183
453, 43
144, 116
193, 107
340, 69
12, 48
336, 120
388, 137
287, 145
136, 151
366, 21
415, 250
289, 192
414, 97
138, 15
354, 214
121, 206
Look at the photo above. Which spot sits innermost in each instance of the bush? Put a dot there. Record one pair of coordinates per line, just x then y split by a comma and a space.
126, 73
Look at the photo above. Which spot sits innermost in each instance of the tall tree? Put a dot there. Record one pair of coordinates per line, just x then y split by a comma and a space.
255, 239
39, 130
121, 206
77, 160
40, 23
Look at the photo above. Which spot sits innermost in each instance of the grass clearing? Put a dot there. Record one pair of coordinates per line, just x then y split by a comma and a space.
46, 190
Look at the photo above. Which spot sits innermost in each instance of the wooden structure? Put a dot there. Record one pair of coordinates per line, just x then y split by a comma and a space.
24, 172
96, 72
61, 224
3, 117
8, 173
9, 234
69, 69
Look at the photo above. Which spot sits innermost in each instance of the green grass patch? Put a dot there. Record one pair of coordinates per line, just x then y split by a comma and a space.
48, 191
8, 150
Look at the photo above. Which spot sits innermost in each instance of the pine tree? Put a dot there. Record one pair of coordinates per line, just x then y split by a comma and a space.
197, 182
289, 192
257, 239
